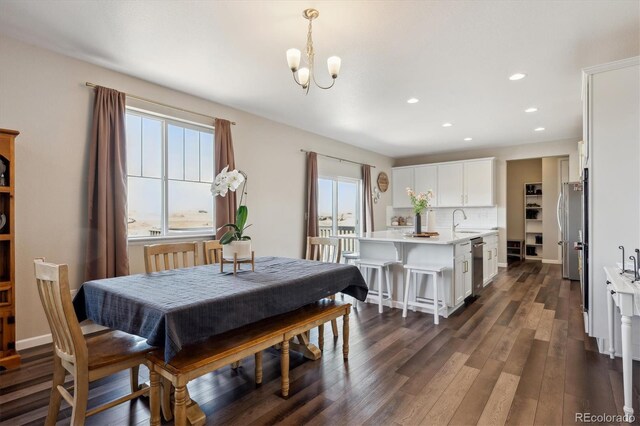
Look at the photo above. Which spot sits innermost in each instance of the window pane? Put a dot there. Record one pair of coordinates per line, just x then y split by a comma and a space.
325, 206
151, 147
206, 157
175, 152
190, 206
347, 207
134, 144
145, 207
191, 155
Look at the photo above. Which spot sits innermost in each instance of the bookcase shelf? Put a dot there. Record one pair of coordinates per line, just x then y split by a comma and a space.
9, 358
533, 220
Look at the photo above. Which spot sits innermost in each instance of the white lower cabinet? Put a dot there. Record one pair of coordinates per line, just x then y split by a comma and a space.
463, 278
490, 259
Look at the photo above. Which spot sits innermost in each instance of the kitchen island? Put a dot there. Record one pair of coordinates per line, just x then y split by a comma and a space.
449, 249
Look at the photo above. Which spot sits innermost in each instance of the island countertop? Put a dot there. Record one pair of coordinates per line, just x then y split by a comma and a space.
445, 237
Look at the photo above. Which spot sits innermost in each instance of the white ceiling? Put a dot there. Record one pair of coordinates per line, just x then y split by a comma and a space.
455, 56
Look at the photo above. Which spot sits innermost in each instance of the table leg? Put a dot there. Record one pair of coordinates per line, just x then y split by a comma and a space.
154, 398
180, 411
611, 316
345, 336
627, 374
306, 348
284, 368
166, 399
258, 362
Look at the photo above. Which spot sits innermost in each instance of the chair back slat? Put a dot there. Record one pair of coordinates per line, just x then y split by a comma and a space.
162, 257
53, 288
323, 249
212, 252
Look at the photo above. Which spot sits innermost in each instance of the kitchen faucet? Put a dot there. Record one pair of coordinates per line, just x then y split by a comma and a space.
453, 220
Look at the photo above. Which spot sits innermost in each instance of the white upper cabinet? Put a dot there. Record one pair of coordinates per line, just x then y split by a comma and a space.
450, 191
401, 179
426, 178
468, 183
478, 183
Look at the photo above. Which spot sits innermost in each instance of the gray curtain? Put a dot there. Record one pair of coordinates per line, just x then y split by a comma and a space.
367, 202
107, 254
225, 206
312, 196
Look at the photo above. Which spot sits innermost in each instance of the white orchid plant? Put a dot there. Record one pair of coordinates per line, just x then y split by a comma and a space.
421, 200
224, 182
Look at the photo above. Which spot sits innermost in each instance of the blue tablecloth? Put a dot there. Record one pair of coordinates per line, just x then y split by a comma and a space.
183, 306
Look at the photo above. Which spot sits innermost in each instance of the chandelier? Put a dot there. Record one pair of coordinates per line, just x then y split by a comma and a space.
303, 76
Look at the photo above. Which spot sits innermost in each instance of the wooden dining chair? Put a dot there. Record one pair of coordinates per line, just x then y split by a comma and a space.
163, 257
212, 252
87, 359
329, 250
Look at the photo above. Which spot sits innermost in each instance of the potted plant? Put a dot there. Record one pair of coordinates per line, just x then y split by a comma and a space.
234, 241
419, 201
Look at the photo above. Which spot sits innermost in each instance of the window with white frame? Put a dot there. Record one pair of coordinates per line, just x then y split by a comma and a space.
170, 167
339, 208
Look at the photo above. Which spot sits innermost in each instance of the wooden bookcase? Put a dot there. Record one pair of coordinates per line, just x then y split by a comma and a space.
9, 358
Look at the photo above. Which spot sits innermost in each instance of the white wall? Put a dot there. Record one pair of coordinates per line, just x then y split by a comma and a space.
518, 152
42, 94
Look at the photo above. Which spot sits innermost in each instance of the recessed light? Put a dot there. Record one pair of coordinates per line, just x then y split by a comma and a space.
468, 139
538, 129
447, 125
517, 76
413, 100
532, 109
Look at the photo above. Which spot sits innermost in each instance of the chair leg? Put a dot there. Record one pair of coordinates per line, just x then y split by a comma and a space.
345, 336
284, 368
380, 289
406, 294
55, 398
436, 315
135, 372
389, 282
80, 399
414, 290
154, 398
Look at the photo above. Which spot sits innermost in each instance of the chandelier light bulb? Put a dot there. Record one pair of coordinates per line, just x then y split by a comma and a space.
303, 76
293, 59
333, 64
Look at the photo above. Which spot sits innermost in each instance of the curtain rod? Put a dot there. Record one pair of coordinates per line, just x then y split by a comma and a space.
140, 98
339, 159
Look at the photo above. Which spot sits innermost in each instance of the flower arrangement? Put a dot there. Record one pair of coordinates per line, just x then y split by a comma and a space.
421, 200
224, 182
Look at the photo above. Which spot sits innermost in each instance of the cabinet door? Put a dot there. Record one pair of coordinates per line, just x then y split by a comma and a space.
495, 260
458, 282
468, 276
487, 268
401, 179
426, 179
450, 185
478, 183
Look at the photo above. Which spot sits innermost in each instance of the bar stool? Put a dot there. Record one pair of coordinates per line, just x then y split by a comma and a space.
380, 266
350, 258
434, 271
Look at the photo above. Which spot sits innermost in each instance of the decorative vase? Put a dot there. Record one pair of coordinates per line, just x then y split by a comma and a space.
417, 224
241, 248
431, 221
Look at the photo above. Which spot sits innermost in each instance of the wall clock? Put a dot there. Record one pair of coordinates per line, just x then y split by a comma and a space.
383, 182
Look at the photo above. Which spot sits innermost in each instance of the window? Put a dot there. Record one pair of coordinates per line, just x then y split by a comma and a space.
170, 168
339, 208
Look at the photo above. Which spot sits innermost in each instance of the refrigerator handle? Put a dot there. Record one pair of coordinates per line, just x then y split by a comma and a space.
558, 212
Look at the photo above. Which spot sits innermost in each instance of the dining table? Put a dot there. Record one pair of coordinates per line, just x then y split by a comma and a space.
179, 307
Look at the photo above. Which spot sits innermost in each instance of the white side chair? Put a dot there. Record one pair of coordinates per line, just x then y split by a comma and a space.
383, 270
413, 272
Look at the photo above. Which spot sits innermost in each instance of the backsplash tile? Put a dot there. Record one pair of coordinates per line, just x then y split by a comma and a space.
477, 217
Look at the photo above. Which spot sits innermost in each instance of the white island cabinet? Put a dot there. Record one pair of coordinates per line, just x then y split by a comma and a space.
450, 250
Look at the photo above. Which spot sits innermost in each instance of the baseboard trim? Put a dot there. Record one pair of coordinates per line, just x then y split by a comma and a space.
503, 265
552, 261
32, 342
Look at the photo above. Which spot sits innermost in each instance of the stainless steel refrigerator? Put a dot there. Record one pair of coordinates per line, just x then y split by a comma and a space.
570, 224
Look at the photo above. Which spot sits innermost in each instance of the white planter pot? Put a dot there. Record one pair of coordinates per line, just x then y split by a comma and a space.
241, 248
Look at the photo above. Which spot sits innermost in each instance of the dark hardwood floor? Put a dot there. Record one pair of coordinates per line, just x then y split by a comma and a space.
518, 355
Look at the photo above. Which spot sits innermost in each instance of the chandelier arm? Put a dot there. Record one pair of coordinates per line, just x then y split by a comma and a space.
323, 87
295, 79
